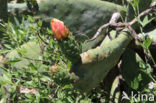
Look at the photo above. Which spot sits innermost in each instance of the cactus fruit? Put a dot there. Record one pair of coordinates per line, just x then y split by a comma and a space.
67, 42
59, 30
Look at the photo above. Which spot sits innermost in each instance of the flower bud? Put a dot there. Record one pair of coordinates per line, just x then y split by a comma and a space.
59, 30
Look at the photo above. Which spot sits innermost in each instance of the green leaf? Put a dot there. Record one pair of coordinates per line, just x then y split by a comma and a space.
47, 78
141, 44
16, 21
33, 68
2, 51
146, 21
40, 23
136, 2
135, 84
134, 70
7, 46
67, 86
148, 70
2, 28
5, 78
70, 100
133, 3
147, 42
15, 60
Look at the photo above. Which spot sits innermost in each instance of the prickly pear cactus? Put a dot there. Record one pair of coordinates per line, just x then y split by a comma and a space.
71, 48
82, 17
30, 52
67, 42
96, 63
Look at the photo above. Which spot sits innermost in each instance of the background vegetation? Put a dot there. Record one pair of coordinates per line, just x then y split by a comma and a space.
34, 69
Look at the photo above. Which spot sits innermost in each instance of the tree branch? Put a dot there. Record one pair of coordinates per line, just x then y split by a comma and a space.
120, 26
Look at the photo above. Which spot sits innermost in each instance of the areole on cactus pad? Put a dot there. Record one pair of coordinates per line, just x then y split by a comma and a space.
59, 30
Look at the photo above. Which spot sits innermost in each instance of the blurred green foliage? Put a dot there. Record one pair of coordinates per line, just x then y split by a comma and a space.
34, 69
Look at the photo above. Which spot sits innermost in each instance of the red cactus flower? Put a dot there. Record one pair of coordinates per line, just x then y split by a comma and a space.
59, 30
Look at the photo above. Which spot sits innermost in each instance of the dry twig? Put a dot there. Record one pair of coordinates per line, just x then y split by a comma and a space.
119, 26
